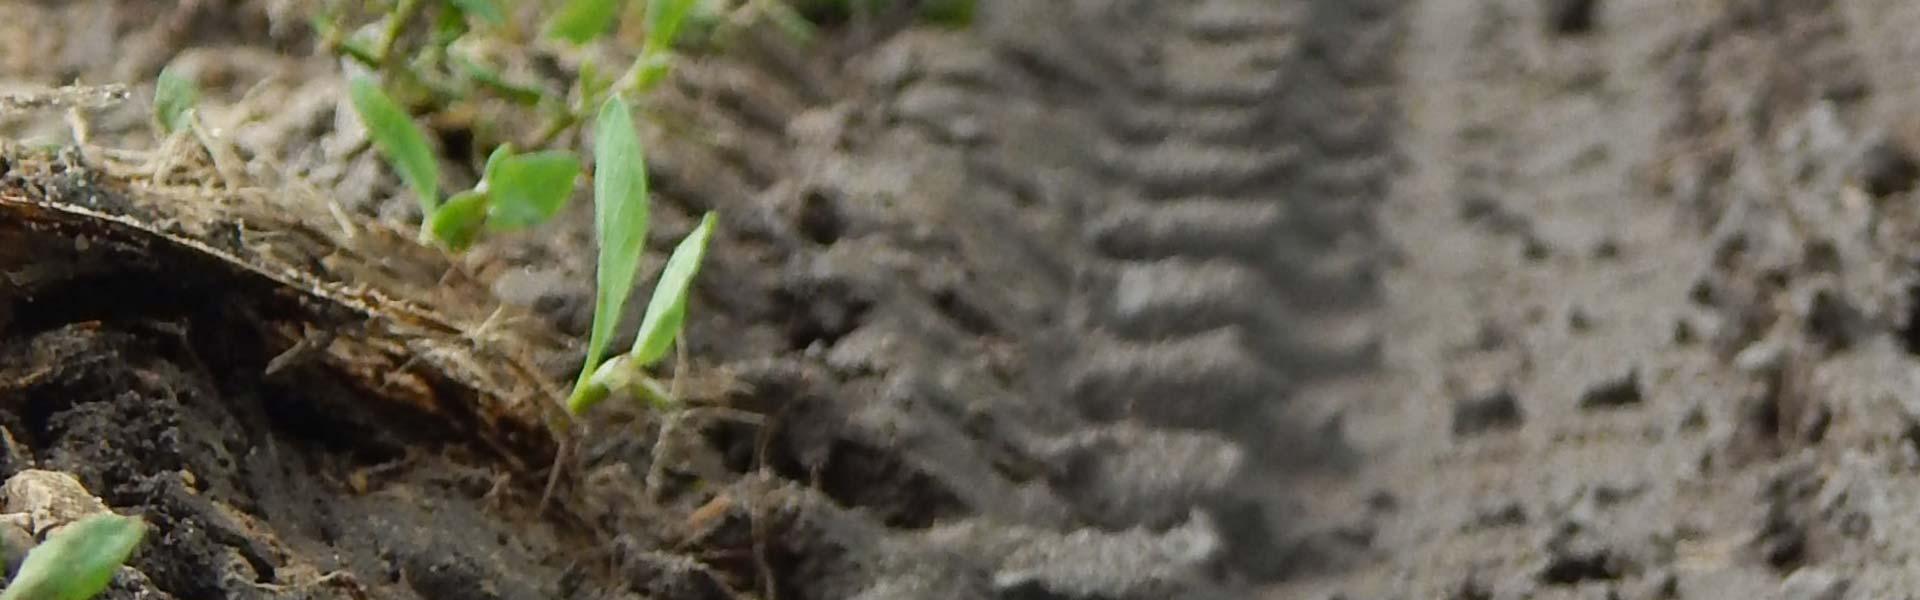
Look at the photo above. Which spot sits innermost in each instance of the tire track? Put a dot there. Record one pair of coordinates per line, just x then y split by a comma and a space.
1232, 245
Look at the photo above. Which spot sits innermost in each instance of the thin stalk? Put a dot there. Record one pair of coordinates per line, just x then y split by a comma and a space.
559, 124
402, 15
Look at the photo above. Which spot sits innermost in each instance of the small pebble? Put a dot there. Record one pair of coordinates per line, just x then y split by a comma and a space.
49, 499
1760, 357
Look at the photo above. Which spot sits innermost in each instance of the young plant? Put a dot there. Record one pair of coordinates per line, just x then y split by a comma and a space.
78, 561
664, 18
518, 191
515, 190
621, 219
173, 99
431, 73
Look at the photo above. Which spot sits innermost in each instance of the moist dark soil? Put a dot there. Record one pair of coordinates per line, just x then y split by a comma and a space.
1106, 299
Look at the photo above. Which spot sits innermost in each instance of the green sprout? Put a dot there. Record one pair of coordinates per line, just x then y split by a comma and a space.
432, 73
522, 190
580, 21
173, 98
664, 18
516, 191
667, 311
78, 561
621, 219
404, 144
621, 222
458, 222
527, 189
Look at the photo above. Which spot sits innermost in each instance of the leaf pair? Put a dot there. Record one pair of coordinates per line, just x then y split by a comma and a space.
516, 190
621, 215
78, 561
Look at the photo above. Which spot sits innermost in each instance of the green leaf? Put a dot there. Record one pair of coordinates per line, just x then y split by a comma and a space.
580, 21
396, 135
457, 223
448, 27
500, 153
528, 189
620, 219
485, 10
173, 97
78, 561
663, 23
667, 311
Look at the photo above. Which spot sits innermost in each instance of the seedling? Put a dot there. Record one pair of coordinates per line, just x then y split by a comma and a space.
521, 190
173, 99
620, 215
516, 191
621, 219
664, 18
526, 189
77, 562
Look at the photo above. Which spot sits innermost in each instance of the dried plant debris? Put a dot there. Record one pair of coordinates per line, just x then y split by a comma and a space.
395, 318
72, 96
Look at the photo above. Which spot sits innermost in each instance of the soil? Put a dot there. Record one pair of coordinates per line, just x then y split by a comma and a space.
1094, 299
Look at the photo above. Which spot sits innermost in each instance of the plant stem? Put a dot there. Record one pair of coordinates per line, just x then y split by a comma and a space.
605, 379
402, 15
619, 375
358, 54
559, 124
